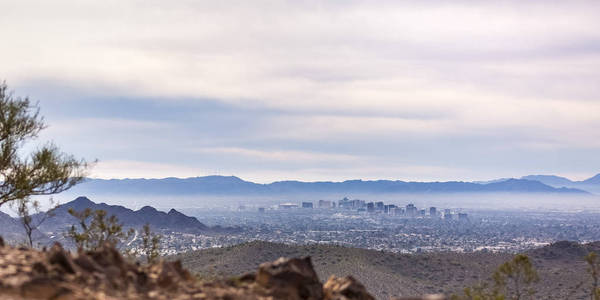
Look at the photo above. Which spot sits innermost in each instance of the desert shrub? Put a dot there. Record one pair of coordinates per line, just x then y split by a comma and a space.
593, 270
43, 171
478, 292
516, 277
513, 280
150, 245
95, 229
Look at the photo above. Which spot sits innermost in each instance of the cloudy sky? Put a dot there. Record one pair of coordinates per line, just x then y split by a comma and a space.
313, 90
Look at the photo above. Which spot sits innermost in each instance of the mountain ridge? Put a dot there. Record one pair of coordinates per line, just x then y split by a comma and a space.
591, 184
158, 220
232, 185
549, 178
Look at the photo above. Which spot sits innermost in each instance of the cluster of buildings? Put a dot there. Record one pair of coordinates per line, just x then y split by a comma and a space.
358, 205
491, 230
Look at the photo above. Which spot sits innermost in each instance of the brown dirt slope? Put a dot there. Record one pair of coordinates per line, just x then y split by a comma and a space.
561, 267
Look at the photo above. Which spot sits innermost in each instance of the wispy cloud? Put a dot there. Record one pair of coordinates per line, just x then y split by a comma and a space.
488, 87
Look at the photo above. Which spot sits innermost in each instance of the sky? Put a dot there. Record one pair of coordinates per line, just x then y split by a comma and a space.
312, 90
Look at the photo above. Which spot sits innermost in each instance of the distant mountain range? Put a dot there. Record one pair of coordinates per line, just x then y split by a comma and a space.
158, 220
11, 228
591, 184
558, 181
231, 185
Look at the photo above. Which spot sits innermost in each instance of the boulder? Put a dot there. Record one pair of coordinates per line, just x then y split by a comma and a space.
290, 278
345, 288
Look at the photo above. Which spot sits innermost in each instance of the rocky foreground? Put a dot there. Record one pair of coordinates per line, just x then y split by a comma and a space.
56, 273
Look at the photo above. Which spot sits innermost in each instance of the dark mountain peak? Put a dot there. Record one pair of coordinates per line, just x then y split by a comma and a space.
79, 203
82, 200
147, 209
174, 220
174, 212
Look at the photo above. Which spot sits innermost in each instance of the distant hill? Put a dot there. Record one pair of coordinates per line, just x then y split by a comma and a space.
527, 186
551, 180
591, 184
158, 220
560, 265
565, 250
231, 185
592, 180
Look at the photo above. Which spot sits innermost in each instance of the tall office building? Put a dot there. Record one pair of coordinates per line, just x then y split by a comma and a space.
307, 205
370, 207
411, 210
447, 214
433, 211
389, 209
325, 204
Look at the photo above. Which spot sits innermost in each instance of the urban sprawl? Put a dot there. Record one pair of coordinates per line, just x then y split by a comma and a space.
396, 228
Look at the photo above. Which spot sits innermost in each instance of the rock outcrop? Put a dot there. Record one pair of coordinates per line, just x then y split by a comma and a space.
345, 288
56, 273
292, 279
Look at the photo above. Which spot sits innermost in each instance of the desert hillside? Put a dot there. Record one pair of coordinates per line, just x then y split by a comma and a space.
561, 267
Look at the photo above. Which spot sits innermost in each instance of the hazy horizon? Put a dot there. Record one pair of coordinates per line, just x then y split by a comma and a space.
467, 202
350, 178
